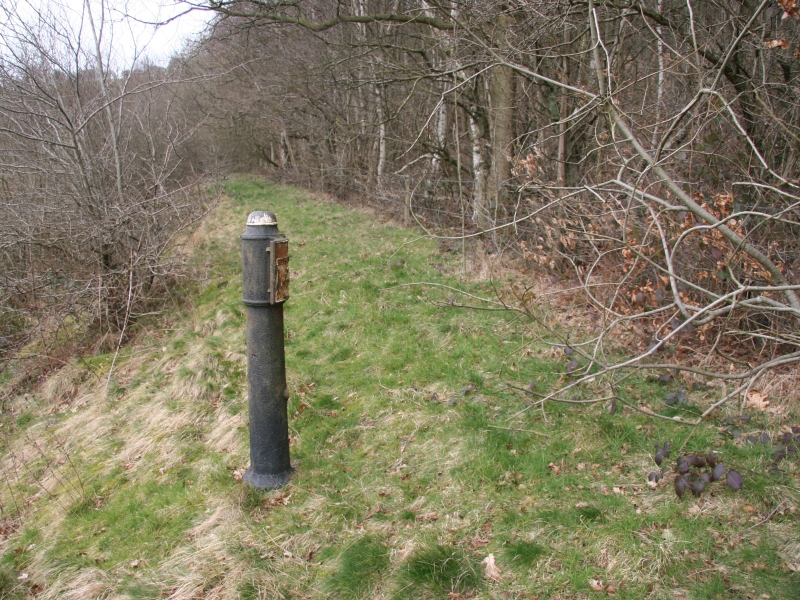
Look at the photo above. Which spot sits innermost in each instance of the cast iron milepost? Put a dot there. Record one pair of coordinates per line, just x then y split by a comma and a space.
265, 283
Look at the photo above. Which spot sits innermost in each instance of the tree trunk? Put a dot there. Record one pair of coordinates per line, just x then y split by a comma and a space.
502, 115
381, 139
478, 173
563, 114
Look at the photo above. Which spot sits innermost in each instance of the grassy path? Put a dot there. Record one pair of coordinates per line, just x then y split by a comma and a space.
408, 473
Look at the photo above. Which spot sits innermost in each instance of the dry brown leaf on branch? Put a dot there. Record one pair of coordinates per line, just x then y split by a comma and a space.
491, 569
781, 43
789, 9
756, 399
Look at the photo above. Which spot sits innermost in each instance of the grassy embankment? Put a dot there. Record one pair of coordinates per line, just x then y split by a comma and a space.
406, 478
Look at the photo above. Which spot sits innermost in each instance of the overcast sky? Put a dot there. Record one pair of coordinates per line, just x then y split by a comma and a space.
134, 29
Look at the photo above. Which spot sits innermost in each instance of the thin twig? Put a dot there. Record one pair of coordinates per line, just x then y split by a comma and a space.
686, 441
122, 333
768, 517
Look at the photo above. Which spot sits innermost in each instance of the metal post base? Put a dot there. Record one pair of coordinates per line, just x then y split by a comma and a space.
267, 481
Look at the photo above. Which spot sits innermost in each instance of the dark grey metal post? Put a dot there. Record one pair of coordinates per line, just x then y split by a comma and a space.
265, 279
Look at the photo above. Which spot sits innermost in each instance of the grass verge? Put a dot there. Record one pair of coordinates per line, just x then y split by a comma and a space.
409, 471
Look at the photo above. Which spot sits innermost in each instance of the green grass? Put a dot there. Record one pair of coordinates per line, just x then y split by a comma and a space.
360, 567
147, 520
522, 555
439, 571
410, 469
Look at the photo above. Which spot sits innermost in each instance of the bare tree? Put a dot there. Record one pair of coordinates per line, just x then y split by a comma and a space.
645, 151
92, 192
682, 222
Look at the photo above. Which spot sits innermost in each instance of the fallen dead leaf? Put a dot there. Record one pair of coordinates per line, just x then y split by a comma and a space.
479, 542
280, 499
310, 554
789, 9
775, 409
603, 560
598, 585
757, 400
491, 569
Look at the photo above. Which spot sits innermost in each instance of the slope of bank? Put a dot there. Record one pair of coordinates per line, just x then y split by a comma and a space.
411, 481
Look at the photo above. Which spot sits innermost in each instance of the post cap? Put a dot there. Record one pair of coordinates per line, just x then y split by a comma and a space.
261, 217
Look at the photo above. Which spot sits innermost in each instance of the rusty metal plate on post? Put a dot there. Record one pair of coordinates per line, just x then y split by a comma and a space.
279, 264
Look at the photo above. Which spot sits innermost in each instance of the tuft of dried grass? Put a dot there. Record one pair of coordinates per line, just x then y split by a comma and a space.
81, 585
63, 386
204, 568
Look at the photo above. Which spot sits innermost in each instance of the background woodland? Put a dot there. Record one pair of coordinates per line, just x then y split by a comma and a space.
643, 155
